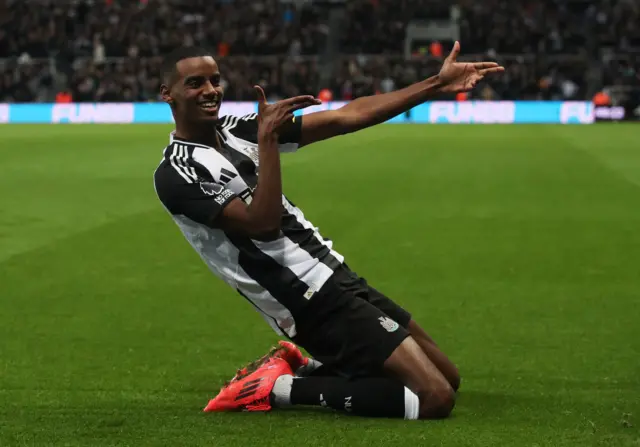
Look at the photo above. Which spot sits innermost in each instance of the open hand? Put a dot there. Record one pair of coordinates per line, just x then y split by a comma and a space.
463, 76
273, 118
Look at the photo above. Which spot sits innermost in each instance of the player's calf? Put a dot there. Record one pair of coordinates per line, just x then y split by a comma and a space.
422, 391
369, 397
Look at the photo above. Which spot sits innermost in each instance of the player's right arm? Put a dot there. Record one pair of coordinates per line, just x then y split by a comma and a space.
262, 217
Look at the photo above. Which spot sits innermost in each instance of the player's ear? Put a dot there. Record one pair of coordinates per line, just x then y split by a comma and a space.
165, 92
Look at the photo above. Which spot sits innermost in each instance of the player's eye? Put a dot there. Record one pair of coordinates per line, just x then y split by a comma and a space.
215, 80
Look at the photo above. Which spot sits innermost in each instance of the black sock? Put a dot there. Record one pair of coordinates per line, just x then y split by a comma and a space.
323, 371
327, 371
371, 397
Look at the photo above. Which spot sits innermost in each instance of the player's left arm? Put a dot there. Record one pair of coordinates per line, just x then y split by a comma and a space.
454, 77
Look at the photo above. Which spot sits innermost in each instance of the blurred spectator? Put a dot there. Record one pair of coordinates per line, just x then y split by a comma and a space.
64, 97
111, 50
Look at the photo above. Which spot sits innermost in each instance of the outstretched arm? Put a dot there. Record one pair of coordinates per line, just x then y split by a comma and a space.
454, 77
366, 111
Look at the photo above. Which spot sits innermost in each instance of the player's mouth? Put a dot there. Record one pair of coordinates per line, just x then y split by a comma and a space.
210, 107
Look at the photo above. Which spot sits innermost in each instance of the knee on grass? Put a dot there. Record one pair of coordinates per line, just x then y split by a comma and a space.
454, 381
436, 402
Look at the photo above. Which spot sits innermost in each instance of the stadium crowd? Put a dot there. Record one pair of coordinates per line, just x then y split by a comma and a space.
109, 50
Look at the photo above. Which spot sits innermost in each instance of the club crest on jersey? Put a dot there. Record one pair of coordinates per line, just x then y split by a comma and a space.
388, 324
211, 189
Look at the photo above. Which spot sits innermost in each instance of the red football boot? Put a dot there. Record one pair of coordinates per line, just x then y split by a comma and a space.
286, 351
292, 354
251, 392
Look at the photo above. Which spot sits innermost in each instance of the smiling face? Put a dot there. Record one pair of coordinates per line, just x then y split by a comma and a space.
194, 91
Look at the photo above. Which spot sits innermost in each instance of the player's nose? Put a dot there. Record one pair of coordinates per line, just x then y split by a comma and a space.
209, 90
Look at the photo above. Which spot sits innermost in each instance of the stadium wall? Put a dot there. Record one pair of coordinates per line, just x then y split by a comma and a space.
504, 112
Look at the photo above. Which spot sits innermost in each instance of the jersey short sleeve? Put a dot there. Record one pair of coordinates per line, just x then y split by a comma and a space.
246, 128
183, 193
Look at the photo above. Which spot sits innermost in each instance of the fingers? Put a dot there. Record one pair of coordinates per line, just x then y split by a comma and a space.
454, 52
491, 70
261, 96
281, 112
483, 65
300, 100
304, 105
472, 82
485, 68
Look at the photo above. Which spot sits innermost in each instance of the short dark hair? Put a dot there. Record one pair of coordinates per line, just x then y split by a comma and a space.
172, 59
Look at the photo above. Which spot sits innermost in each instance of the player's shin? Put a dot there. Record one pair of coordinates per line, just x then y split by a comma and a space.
370, 397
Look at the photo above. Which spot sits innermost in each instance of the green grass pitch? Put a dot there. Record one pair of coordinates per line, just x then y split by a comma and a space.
516, 247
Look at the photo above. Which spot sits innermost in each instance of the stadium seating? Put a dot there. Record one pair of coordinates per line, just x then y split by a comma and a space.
109, 50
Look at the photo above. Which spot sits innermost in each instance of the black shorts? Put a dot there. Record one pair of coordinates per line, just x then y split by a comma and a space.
352, 328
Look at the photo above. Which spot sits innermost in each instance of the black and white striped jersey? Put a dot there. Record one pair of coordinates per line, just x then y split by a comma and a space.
195, 182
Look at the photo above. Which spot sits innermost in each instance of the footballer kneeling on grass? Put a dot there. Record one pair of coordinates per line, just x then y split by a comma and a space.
368, 356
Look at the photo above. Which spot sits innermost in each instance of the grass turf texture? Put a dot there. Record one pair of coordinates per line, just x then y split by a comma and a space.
516, 247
